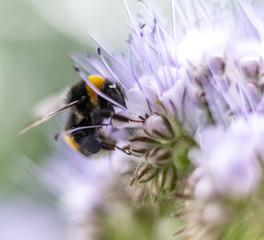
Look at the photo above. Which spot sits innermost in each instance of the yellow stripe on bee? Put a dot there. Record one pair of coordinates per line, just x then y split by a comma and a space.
69, 140
97, 81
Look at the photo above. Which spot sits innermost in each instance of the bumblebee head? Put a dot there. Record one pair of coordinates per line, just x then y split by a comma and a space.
114, 91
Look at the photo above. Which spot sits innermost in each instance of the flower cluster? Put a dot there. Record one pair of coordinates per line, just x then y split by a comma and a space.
194, 119
229, 161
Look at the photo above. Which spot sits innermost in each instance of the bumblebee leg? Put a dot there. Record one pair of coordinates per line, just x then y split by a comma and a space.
121, 118
125, 150
112, 146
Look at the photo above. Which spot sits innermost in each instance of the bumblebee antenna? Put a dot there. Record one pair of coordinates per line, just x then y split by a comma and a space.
48, 116
58, 135
95, 89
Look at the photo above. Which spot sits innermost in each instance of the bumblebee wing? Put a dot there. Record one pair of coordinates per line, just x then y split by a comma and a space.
48, 116
50, 103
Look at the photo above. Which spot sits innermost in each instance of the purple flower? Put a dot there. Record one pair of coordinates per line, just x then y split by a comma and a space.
228, 161
24, 219
198, 82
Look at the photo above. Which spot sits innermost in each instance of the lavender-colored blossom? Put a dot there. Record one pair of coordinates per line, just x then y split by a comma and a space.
193, 83
26, 219
229, 160
82, 188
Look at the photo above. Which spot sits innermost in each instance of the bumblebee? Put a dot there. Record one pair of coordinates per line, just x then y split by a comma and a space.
91, 110
88, 109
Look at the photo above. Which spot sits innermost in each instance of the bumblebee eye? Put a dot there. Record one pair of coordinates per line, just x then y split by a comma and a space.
91, 144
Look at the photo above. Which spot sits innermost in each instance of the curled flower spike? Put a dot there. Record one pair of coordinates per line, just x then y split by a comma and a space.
161, 145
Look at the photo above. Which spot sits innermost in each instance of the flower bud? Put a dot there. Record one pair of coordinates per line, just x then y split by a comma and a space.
167, 178
145, 172
158, 126
158, 156
249, 67
140, 145
216, 65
